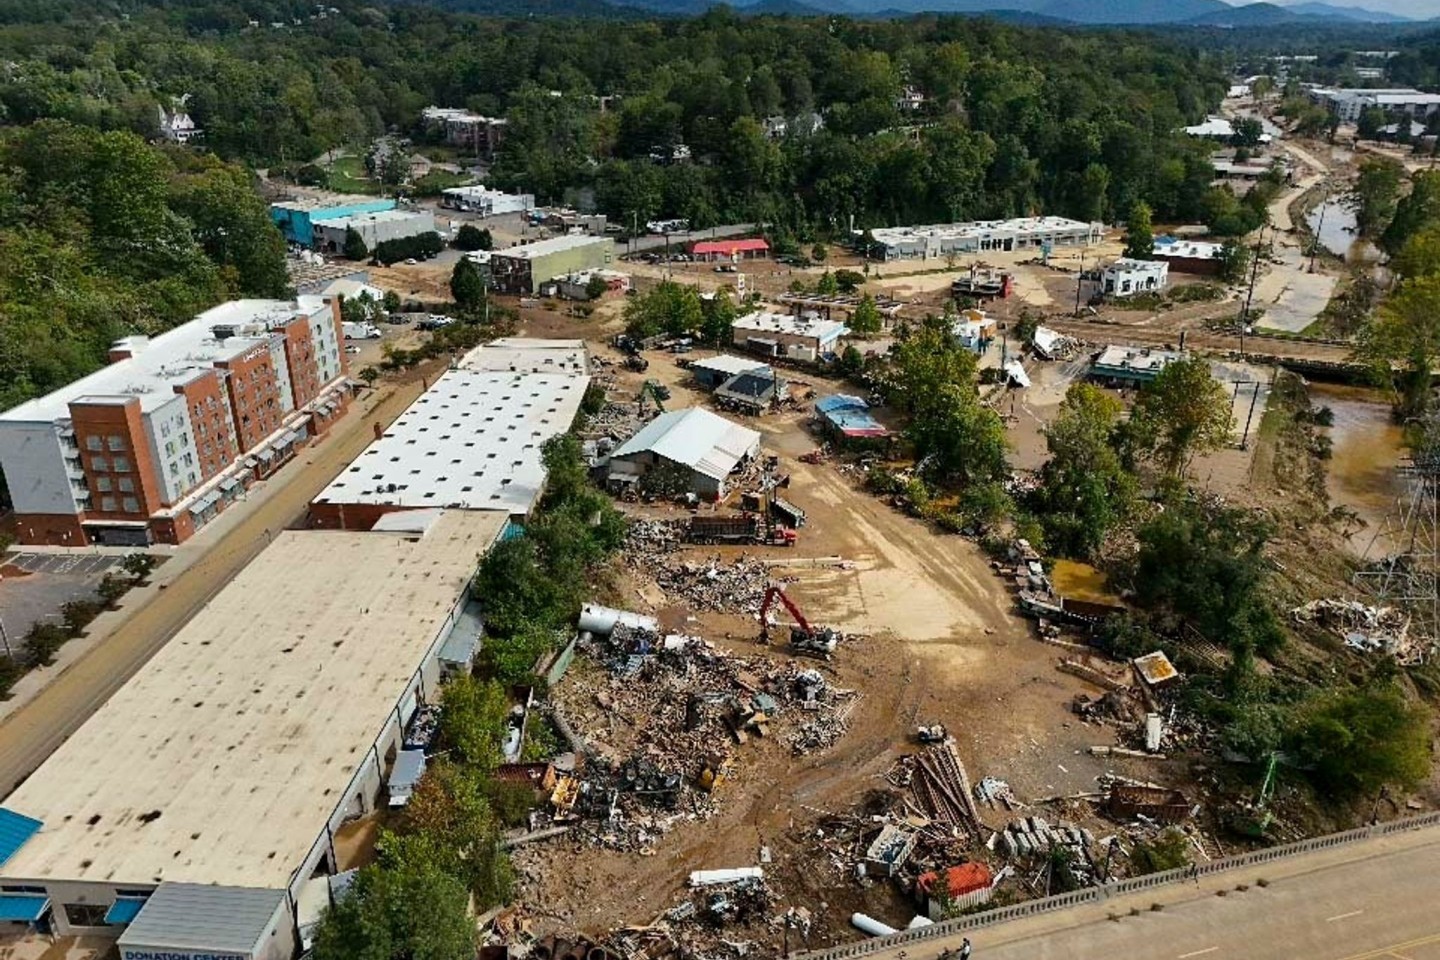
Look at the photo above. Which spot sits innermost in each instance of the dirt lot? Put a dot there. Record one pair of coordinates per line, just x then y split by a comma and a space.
939, 643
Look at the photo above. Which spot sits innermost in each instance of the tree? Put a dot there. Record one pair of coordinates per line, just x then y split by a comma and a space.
818, 253
596, 287
470, 237
416, 911
1209, 568
1234, 260
355, 248
1369, 124
851, 363
1183, 412
391, 302
566, 472
1248, 131
866, 320
827, 286
450, 823
1406, 332
112, 588
1376, 189
1420, 255
1362, 740
848, 280
472, 721
668, 307
1085, 489
139, 565
467, 285
717, 325
369, 375
1139, 234
1416, 211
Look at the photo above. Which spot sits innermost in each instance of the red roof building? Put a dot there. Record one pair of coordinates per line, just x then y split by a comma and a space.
729, 249
970, 884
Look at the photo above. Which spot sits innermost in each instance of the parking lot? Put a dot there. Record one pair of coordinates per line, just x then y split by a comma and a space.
35, 586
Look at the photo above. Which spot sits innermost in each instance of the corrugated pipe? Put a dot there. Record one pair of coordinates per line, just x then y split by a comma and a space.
544, 949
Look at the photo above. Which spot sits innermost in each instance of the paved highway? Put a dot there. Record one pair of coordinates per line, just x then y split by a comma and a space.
1376, 900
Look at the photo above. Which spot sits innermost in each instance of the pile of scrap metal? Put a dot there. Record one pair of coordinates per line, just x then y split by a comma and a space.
940, 788
663, 724
1368, 629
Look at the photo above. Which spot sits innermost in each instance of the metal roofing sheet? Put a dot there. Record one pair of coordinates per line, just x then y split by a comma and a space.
15, 829
22, 908
729, 365
204, 917
696, 438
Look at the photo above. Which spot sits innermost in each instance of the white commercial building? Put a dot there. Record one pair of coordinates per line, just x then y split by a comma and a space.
1218, 128
1026, 233
374, 228
708, 446
530, 355
1126, 277
1348, 103
486, 203
471, 442
786, 335
192, 810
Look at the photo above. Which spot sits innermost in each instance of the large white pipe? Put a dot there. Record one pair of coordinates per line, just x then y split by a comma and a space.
868, 924
601, 620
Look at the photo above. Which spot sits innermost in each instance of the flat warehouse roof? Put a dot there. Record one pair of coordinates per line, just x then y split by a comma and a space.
471, 441
223, 758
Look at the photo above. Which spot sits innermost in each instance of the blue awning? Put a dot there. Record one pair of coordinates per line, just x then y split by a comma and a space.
22, 908
15, 829
124, 910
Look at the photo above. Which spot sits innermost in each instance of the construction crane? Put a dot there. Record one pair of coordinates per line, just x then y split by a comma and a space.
803, 637
655, 391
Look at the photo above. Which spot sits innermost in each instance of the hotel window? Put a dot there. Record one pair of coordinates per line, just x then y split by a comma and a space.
99, 463
102, 484
122, 464
131, 505
93, 443
116, 443
126, 485
107, 504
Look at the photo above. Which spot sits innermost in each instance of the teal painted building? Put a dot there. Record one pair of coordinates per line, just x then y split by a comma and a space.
296, 218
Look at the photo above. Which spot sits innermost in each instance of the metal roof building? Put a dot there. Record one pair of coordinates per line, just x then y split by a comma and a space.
849, 416
529, 355
943, 239
713, 371
706, 444
470, 442
235, 754
230, 921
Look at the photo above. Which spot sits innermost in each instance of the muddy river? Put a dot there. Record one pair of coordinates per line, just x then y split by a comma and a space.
1365, 449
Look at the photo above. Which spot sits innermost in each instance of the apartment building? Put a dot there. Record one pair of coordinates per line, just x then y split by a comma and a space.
156, 444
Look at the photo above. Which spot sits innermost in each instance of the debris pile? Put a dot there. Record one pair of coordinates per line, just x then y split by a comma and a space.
664, 723
1367, 629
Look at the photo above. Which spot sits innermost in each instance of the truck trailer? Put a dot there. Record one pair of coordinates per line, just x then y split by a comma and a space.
742, 529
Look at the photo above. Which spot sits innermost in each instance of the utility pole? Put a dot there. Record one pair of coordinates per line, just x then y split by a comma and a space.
1254, 273
1315, 241
1254, 396
5, 639
1079, 283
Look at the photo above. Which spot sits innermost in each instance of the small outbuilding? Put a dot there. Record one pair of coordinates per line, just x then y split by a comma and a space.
969, 885
703, 444
752, 392
713, 371
1129, 278
848, 417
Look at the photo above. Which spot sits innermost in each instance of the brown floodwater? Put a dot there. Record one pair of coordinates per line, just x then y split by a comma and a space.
1366, 447
1080, 581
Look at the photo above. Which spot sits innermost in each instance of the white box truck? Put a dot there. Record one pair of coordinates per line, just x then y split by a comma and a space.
361, 331
409, 768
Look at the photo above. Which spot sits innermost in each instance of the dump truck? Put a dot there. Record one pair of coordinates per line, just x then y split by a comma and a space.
738, 530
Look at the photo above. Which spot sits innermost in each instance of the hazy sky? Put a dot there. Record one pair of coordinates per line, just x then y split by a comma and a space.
1405, 8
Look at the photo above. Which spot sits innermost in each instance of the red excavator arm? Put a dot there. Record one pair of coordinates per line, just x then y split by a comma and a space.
771, 594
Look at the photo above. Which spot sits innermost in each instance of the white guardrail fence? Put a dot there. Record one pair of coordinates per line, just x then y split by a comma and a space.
1106, 891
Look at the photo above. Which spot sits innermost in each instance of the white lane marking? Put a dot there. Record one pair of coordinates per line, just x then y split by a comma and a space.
1199, 953
1344, 916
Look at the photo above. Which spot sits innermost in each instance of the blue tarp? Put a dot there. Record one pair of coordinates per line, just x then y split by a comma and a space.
22, 908
15, 829
124, 910
849, 415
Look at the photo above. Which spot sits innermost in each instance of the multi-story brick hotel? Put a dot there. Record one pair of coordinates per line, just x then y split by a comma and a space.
154, 445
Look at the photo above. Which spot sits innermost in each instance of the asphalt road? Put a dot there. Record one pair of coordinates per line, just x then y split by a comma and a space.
1378, 899
30, 734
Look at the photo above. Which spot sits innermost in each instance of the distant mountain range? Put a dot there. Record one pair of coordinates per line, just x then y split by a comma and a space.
1199, 13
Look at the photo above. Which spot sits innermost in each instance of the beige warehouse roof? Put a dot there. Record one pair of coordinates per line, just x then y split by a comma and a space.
223, 758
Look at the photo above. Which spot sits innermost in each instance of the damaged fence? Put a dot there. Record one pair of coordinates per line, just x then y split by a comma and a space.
1104, 892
